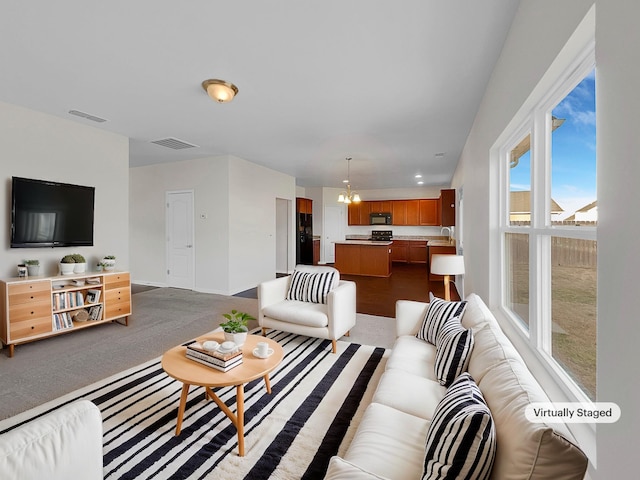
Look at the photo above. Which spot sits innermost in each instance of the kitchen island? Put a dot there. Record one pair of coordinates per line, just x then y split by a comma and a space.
363, 257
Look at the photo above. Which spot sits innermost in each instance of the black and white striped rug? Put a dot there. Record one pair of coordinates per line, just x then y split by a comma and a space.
316, 402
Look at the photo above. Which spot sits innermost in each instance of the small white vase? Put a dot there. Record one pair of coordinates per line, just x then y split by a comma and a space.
108, 264
237, 338
34, 270
79, 267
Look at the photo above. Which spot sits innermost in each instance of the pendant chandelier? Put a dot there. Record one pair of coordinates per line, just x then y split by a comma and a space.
348, 196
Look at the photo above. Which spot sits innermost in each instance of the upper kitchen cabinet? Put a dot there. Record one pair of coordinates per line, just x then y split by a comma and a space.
430, 212
405, 212
358, 213
304, 205
448, 207
399, 212
380, 206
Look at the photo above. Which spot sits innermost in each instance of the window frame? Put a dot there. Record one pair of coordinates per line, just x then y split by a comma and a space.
537, 122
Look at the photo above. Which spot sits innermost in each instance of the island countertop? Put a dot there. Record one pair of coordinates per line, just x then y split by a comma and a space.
364, 242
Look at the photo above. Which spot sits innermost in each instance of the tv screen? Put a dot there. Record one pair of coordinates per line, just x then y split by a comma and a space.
51, 214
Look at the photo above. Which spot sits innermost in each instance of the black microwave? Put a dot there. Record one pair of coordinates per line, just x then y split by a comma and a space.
379, 219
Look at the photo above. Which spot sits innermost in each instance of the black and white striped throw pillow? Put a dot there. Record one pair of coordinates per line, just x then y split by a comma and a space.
453, 351
438, 312
310, 287
461, 441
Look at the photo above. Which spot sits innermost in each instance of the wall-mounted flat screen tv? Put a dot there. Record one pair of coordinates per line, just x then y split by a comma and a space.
51, 214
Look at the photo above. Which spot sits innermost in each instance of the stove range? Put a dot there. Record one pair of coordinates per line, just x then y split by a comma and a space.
381, 236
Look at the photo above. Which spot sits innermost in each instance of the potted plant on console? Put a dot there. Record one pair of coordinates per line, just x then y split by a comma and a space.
109, 262
67, 265
81, 263
235, 328
33, 267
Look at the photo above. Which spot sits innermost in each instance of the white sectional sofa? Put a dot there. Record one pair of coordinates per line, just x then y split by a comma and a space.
62, 445
390, 441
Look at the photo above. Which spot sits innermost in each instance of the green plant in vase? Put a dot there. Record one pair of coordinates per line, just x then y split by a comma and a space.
235, 328
33, 267
67, 264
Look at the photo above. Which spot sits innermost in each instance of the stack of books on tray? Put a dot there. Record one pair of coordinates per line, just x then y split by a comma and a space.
219, 361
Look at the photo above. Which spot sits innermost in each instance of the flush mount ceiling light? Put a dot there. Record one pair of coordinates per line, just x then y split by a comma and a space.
348, 196
219, 90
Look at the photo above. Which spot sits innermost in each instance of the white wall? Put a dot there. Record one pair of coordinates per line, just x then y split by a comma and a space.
522, 65
208, 178
235, 245
618, 104
253, 191
36, 145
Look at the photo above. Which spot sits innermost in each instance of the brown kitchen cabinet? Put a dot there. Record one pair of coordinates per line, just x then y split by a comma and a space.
448, 207
358, 213
399, 212
417, 251
409, 251
380, 206
430, 211
400, 251
304, 205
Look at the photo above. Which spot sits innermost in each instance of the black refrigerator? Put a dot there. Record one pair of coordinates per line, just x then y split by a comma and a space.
304, 247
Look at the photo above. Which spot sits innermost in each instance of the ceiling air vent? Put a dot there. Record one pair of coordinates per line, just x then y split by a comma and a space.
88, 116
174, 143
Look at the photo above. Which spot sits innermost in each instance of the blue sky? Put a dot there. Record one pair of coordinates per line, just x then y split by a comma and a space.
573, 164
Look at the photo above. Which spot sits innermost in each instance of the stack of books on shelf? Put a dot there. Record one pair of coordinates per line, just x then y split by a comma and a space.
62, 321
68, 300
219, 361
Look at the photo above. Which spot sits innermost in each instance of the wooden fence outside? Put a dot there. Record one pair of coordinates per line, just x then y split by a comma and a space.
565, 251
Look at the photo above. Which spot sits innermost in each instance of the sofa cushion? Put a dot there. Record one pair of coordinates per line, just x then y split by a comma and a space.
476, 313
310, 287
389, 442
423, 400
538, 449
301, 313
461, 441
413, 356
453, 351
438, 313
340, 469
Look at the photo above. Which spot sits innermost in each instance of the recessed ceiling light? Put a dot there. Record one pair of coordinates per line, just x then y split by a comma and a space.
420, 182
418, 176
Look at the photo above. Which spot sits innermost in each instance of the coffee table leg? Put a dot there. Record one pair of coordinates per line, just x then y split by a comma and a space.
240, 418
267, 383
183, 403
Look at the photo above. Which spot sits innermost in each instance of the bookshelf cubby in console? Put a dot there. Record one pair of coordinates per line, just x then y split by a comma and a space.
34, 308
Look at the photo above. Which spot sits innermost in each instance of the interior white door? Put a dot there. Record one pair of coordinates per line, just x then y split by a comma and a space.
333, 231
180, 247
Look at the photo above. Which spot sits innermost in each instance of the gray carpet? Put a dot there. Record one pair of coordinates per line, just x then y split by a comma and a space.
162, 318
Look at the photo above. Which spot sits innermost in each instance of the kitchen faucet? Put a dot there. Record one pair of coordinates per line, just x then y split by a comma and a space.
449, 232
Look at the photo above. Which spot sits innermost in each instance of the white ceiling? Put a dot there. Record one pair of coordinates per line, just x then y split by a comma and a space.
389, 83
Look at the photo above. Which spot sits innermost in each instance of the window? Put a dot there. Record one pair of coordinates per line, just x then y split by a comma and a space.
548, 225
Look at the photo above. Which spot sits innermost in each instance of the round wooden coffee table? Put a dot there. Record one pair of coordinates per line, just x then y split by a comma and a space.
189, 372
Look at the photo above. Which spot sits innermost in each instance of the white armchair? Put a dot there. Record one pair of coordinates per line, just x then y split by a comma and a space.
330, 320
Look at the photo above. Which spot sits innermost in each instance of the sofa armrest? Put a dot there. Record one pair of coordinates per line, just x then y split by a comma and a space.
272, 291
341, 308
64, 444
409, 316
